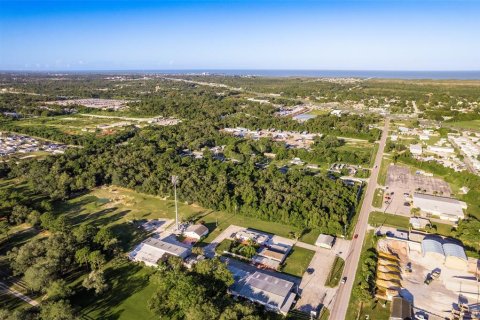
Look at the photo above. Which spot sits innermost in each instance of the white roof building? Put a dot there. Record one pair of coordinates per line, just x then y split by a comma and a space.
441, 150
446, 208
325, 241
152, 250
416, 149
419, 223
274, 293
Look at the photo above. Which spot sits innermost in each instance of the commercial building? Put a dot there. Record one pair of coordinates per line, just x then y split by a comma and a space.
445, 208
274, 293
445, 250
152, 250
325, 241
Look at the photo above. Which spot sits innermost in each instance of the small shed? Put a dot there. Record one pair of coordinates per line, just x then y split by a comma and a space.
401, 309
325, 241
196, 231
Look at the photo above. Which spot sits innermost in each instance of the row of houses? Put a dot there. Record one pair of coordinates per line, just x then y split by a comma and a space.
292, 139
469, 145
14, 143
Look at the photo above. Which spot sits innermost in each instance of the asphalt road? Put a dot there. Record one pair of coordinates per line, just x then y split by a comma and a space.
339, 309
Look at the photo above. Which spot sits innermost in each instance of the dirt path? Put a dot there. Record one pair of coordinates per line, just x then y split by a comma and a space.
4, 287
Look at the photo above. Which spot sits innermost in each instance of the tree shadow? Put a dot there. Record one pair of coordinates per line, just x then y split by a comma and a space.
125, 280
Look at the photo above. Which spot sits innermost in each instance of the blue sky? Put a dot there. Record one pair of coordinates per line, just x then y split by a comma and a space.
335, 35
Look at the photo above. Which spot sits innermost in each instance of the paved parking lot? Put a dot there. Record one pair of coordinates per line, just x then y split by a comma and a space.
312, 288
401, 181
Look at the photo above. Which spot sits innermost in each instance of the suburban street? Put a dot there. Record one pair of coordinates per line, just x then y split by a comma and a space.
339, 309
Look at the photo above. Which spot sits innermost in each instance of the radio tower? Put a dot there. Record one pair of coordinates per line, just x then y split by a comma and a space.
174, 182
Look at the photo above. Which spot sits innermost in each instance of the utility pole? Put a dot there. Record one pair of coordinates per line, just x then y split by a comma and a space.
174, 182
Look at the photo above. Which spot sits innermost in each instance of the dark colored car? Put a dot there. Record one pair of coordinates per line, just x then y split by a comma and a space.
355, 236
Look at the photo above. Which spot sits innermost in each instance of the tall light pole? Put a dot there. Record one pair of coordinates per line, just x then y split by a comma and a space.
174, 182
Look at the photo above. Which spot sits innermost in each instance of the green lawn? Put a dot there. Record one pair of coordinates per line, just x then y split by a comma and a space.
379, 218
374, 310
378, 198
471, 124
374, 155
297, 261
126, 299
116, 206
443, 229
335, 272
382, 175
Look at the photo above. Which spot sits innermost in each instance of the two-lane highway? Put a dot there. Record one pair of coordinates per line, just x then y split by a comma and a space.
339, 309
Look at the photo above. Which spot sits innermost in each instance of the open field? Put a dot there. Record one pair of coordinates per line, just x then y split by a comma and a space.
70, 124
127, 298
470, 125
379, 218
113, 205
297, 261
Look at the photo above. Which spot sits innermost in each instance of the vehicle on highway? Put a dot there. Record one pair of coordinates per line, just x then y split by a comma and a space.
376, 166
344, 280
406, 204
355, 236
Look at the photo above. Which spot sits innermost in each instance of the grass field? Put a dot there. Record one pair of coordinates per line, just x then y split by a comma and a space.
471, 125
113, 206
335, 273
378, 198
297, 261
382, 175
379, 218
372, 309
127, 298
71, 124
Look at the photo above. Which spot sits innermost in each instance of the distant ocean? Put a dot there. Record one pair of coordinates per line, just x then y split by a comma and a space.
454, 75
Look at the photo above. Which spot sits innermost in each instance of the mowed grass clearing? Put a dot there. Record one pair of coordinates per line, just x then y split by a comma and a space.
112, 205
378, 198
298, 261
471, 124
127, 298
385, 219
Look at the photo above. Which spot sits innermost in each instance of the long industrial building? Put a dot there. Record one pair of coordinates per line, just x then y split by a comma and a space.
445, 208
